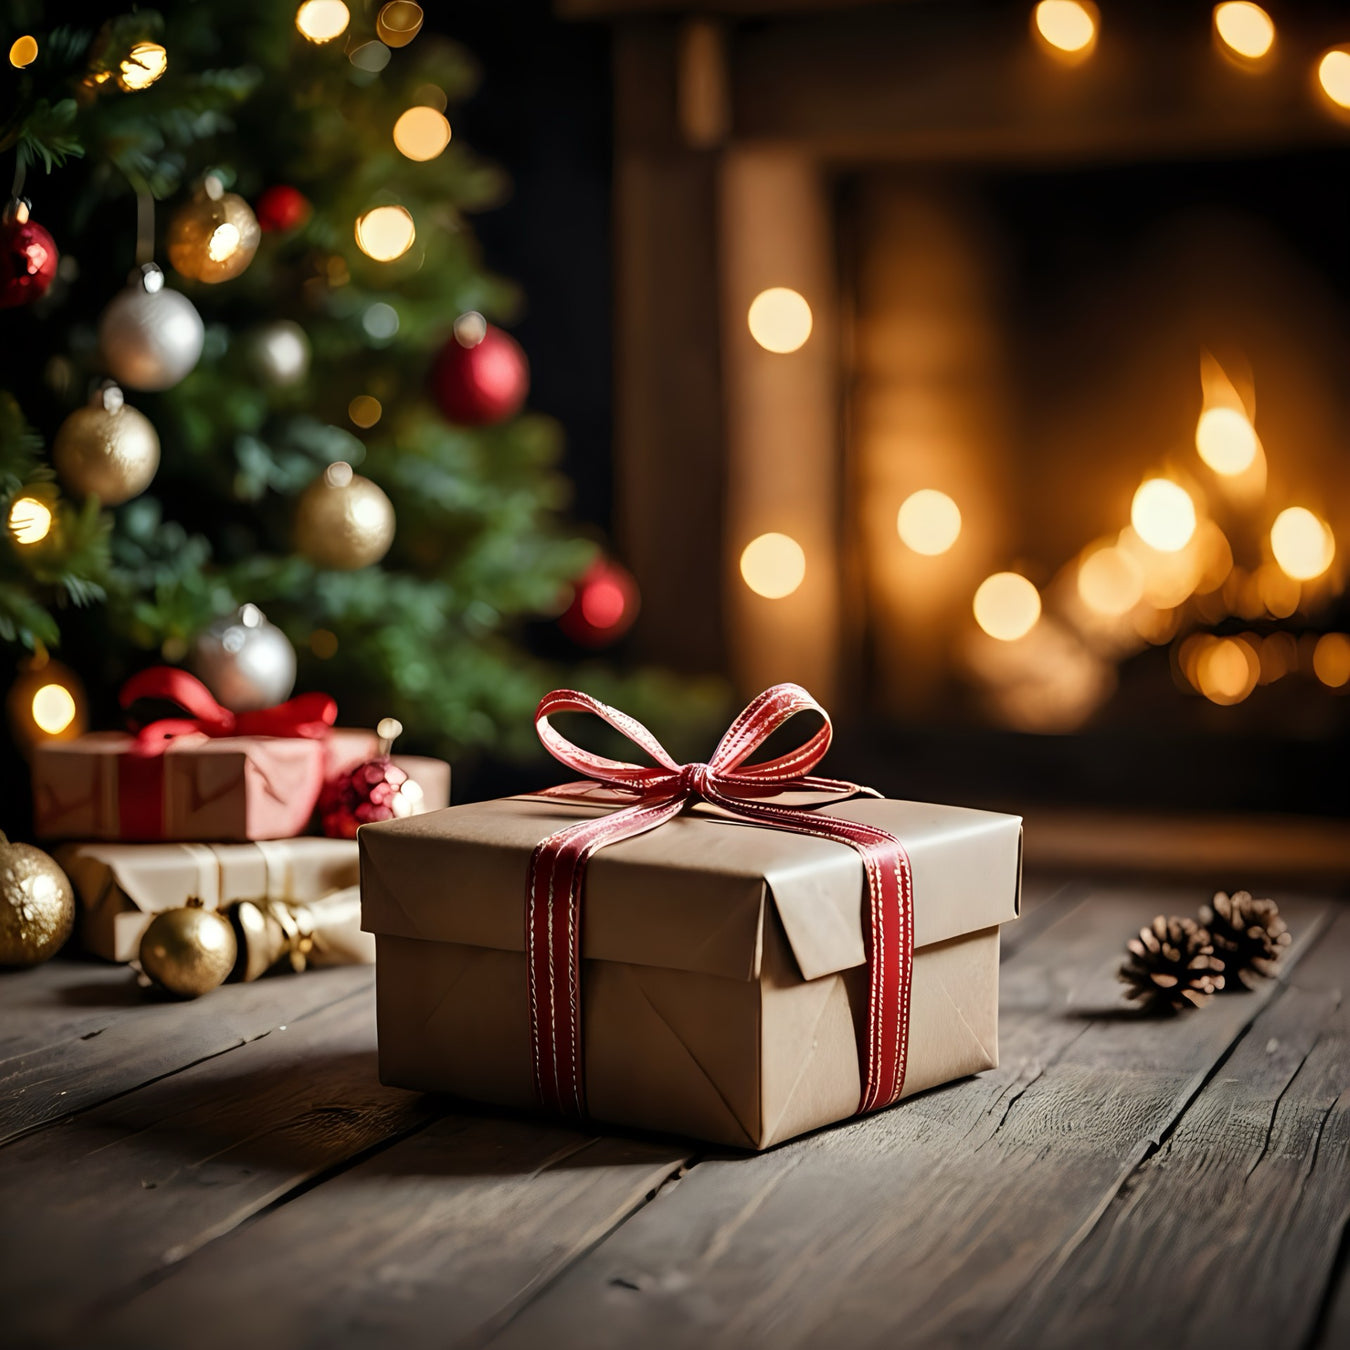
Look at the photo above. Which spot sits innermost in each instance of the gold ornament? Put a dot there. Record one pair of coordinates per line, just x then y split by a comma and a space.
188, 951
45, 703
343, 521
37, 905
107, 449
214, 236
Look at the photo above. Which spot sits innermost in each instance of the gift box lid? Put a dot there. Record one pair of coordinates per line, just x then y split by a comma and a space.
694, 894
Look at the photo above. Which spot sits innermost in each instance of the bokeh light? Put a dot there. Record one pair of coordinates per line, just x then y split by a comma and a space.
23, 52
1067, 25
30, 520
54, 708
773, 565
322, 20
1163, 515
1333, 74
1302, 543
1110, 582
385, 232
1227, 670
1244, 28
365, 411
928, 521
1331, 660
1226, 440
779, 319
421, 133
1007, 606
142, 66
399, 22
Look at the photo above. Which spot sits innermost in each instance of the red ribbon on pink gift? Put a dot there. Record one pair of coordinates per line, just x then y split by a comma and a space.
140, 772
662, 790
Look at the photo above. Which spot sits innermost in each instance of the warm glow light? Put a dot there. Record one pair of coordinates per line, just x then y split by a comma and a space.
1331, 660
773, 565
1163, 515
142, 66
1245, 28
1303, 545
1226, 440
53, 709
603, 603
1007, 606
399, 22
23, 52
364, 410
421, 133
1110, 582
1333, 73
779, 319
30, 521
385, 232
322, 20
1066, 24
224, 241
928, 522
1227, 670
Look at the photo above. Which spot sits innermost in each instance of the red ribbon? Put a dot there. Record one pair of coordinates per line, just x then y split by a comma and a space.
662, 790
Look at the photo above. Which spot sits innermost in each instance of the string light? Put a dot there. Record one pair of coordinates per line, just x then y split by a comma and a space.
1226, 440
1331, 660
1069, 26
142, 66
322, 20
385, 232
1333, 74
1007, 606
1244, 28
398, 22
23, 52
30, 520
1110, 582
45, 702
1163, 515
421, 133
365, 410
779, 319
1303, 545
53, 708
929, 522
773, 565
1227, 670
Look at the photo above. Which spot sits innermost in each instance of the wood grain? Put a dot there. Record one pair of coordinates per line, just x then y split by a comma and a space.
984, 1183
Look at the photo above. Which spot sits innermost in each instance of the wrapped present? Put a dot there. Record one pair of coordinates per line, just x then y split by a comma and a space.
204, 774
121, 887
738, 952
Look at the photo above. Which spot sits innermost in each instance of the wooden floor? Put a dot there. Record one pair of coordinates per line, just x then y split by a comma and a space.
229, 1173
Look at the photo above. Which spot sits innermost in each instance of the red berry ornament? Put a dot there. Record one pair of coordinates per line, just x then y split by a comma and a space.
481, 375
375, 790
28, 257
281, 208
603, 607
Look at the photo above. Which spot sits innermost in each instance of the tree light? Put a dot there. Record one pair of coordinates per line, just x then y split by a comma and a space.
385, 232
142, 66
1331, 660
421, 133
1226, 440
30, 520
1244, 28
365, 411
1333, 74
398, 22
1303, 545
1163, 515
773, 565
53, 708
1067, 25
322, 20
23, 52
928, 522
779, 319
1110, 582
1227, 670
1007, 606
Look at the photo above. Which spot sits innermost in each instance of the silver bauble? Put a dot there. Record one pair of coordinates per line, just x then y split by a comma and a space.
150, 336
246, 662
279, 352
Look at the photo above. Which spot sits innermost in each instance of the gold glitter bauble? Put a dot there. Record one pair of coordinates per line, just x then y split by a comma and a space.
107, 449
343, 521
214, 236
37, 905
188, 951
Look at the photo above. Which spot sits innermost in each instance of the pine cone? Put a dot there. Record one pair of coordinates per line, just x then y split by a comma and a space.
1249, 935
1171, 966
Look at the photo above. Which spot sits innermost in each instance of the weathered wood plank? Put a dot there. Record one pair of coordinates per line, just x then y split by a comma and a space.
923, 1224
1232, 1227
106, 1200
118, 1037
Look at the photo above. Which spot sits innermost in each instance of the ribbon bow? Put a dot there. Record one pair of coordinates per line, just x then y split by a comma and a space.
307, 715
662, 790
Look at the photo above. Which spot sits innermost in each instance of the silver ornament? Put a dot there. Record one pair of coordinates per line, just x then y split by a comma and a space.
150, 336
279, 352
246, 662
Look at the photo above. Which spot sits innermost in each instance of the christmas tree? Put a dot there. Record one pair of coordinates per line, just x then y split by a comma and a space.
337, 440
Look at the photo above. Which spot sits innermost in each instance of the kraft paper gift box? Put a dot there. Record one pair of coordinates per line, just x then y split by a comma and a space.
199, 788
723, 983
121, 887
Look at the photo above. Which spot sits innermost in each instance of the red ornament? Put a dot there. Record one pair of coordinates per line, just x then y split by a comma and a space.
281, 208
604, 605
481, 375
375, 790
28, 257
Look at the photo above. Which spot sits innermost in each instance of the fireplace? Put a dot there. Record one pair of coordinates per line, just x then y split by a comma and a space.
1000, 398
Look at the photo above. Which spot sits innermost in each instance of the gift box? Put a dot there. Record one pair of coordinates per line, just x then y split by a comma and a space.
346, 747
121, 887
728, 978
